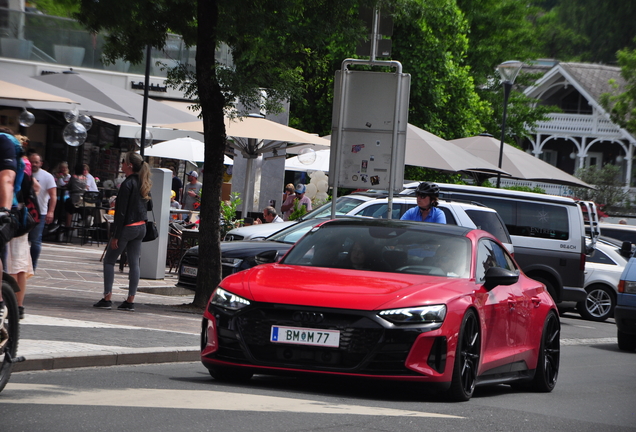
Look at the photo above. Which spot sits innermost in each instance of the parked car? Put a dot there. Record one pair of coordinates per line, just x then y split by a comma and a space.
547, 231
241, 255
344, 205
625, 312
619, 231
603, 271
409, 301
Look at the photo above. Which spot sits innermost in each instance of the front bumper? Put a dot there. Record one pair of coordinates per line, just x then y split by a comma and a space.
625, 317
369, 346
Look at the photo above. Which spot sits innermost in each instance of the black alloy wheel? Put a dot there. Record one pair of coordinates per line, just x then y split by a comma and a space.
466, 359
599, 303
547, 371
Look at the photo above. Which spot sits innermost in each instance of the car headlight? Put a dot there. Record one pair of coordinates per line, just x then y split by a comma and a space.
415, 315
227, 300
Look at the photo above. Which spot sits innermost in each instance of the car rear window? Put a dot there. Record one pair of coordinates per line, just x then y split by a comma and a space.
490, 222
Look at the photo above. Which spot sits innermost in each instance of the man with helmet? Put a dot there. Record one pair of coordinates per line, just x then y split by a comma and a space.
426, 210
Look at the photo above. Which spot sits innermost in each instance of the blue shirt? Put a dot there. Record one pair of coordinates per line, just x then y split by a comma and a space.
435, 215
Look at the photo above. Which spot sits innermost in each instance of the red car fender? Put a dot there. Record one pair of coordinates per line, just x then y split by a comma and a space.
417, 360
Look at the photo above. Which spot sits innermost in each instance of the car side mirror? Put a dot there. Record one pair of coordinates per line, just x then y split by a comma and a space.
266, 257
496, 276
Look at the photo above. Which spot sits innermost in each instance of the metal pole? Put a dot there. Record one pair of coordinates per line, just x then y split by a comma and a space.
507, 85
144, 115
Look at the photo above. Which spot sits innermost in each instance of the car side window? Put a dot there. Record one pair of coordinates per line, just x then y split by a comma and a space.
450, 219
600, 258
490, 254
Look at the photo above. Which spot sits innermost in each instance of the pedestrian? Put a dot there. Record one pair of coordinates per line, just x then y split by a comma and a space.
174, 204
177, 185
47, 200
298, 197
91, 184
191, 191
426, 209
270, 215
18, 252
8, 167
62, 175
129, 228
289, 191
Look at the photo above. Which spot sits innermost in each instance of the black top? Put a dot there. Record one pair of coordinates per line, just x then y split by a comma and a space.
130, 207
177, 185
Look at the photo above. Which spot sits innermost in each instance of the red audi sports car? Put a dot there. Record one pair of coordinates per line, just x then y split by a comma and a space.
382, 299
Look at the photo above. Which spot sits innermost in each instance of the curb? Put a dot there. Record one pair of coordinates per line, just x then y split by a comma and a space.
125, 356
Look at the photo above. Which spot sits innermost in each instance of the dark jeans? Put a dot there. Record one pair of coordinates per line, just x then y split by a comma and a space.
35, 237
130, 240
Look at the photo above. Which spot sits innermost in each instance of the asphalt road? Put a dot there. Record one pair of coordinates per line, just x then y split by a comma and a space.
595, 392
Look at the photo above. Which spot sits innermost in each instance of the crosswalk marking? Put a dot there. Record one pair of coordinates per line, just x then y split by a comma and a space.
192, 399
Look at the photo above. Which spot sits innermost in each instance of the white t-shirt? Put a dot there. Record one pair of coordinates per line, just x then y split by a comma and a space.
47, 181
90, 182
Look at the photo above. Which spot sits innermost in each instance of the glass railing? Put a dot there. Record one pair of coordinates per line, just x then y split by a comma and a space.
49, 39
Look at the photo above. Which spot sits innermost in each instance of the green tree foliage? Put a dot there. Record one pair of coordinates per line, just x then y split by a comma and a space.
622, 104
608, 184
598, 28
499, 30
63, 8
429, 39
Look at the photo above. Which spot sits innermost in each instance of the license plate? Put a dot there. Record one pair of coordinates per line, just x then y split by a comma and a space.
189, 271
305, 336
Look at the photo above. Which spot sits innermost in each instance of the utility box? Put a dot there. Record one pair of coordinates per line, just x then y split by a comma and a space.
366, 155
153, 254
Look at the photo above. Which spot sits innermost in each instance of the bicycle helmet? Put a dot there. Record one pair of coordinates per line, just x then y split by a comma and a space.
426, 188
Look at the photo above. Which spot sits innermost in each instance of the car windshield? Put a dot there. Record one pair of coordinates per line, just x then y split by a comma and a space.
295, 232
383, 248
344, 205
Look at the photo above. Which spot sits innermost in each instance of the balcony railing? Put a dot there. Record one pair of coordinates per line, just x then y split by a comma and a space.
49, 39
578, 124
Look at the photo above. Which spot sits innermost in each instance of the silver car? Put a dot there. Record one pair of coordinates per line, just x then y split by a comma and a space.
602, 273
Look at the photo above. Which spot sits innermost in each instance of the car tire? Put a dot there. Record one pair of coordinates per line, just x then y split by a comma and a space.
547, 371
228, 374
548, 286
467, 356
626, 341
599, 303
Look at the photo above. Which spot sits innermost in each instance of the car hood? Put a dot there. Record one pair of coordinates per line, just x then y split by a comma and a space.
240, 249
339, 288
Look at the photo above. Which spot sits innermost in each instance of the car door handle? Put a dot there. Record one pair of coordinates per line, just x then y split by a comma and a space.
536, 301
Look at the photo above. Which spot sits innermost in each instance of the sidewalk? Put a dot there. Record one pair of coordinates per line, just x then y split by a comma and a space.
61, 329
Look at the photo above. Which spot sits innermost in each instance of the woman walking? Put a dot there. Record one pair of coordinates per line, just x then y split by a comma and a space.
129, 228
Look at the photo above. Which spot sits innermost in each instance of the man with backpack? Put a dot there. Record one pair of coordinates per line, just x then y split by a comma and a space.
8, 167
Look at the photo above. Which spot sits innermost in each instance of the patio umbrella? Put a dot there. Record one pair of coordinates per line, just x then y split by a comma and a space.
115, 98
518, 163
9, 90
187, 149
86, 106
320, 164
259, 129
427, 150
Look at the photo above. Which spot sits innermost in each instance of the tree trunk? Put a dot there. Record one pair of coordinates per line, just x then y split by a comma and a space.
212, 104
